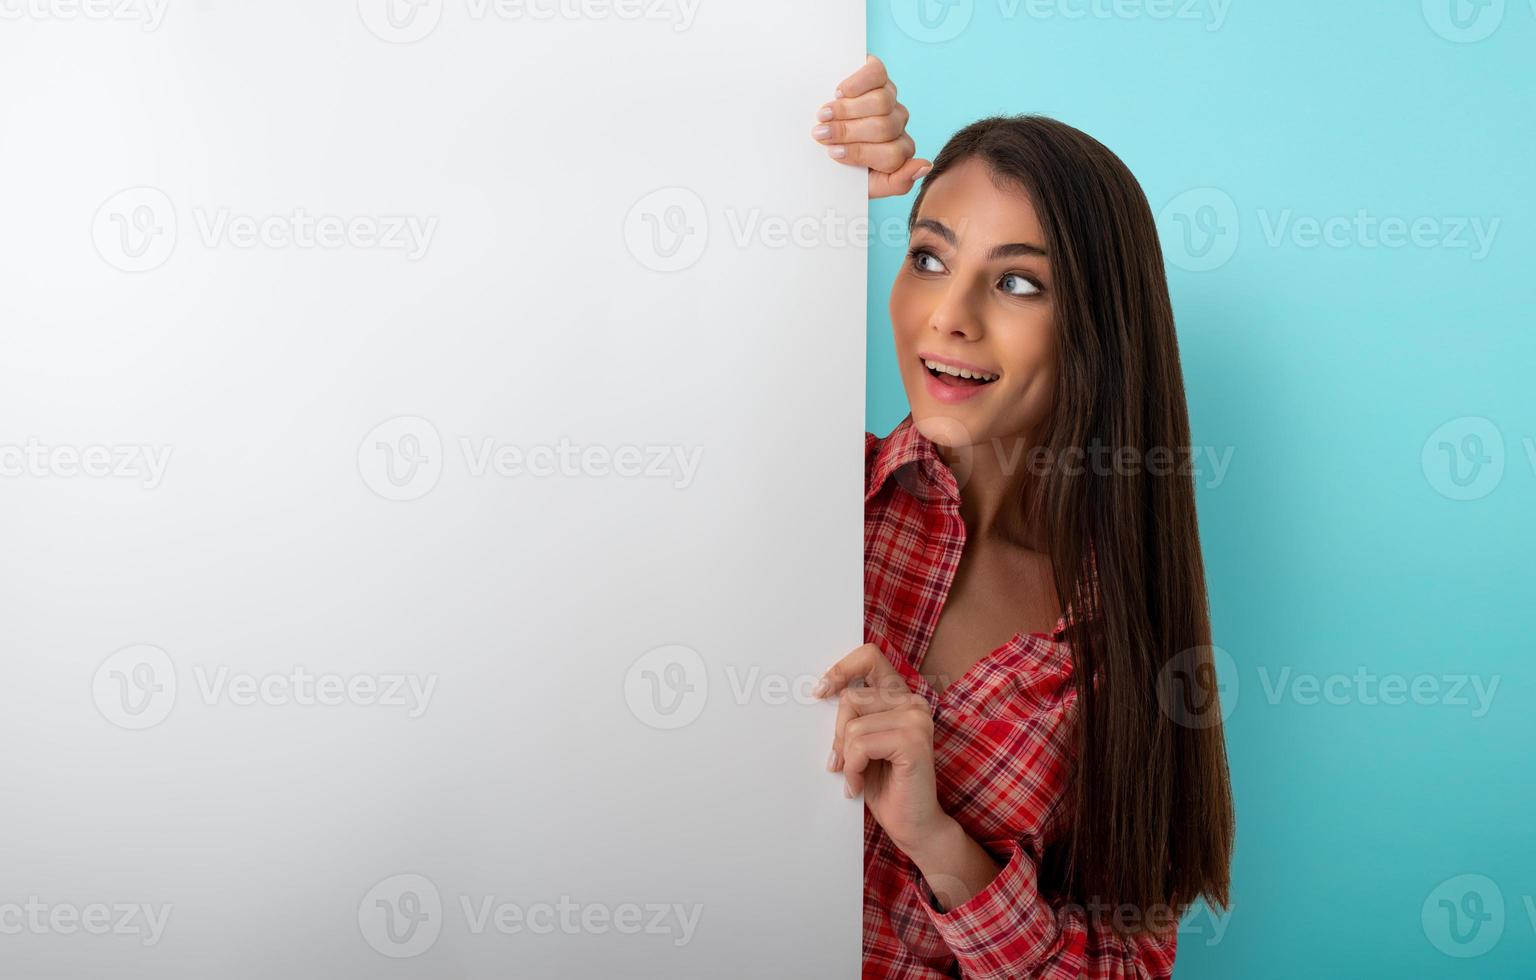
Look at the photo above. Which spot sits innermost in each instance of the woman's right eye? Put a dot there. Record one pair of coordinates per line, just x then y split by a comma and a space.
917, 256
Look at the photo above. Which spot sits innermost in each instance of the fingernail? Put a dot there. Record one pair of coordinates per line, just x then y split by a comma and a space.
822, 132
832, 761
821, 688
838, 152
924, 172
847, 791
825, 113
839, 93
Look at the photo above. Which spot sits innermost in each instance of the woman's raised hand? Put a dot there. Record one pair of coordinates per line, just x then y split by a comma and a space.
864, 126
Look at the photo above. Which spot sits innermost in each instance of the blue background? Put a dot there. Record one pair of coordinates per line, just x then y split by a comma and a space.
1378, 401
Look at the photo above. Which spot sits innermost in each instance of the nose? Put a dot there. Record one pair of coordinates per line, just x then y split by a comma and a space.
954, 314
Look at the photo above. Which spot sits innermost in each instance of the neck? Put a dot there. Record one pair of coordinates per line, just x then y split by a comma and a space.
993, 493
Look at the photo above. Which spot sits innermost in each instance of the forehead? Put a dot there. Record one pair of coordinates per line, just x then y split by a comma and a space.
977, 210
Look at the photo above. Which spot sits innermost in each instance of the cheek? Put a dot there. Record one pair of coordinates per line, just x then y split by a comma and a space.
1033, 363
907, 315
1039, 396
1028, 346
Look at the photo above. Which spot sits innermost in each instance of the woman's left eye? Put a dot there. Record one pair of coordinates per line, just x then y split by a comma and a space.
1019, 285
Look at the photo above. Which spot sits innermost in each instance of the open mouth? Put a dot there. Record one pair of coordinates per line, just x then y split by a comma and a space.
956, 377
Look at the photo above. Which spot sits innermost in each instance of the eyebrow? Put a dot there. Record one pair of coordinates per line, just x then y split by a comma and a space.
998, 252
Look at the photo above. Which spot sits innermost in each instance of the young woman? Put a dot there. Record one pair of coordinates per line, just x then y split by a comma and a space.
1045, 793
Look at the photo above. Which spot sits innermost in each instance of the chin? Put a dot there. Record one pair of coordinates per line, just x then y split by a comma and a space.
955, 426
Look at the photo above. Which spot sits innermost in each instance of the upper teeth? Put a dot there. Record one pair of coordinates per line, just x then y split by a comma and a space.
959, 372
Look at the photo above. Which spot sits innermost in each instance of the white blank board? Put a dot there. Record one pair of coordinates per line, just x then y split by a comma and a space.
432, 464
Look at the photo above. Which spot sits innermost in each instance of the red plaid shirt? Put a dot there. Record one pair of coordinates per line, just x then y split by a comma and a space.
1002, 740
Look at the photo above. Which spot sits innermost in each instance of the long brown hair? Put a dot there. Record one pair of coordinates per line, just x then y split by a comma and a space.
1152, 821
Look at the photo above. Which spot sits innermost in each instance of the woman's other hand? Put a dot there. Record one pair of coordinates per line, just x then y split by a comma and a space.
864, 126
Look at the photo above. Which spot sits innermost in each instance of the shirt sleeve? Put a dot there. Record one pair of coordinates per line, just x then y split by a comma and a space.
1008, 931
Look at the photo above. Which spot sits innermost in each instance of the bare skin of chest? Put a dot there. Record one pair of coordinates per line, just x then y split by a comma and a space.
999, 589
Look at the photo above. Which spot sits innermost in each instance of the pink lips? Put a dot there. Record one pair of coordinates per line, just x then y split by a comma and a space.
949, 392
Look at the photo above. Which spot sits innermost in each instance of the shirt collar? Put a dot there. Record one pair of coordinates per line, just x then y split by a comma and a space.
910, 458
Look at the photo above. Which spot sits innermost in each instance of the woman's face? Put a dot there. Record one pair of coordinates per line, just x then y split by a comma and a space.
975, 294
